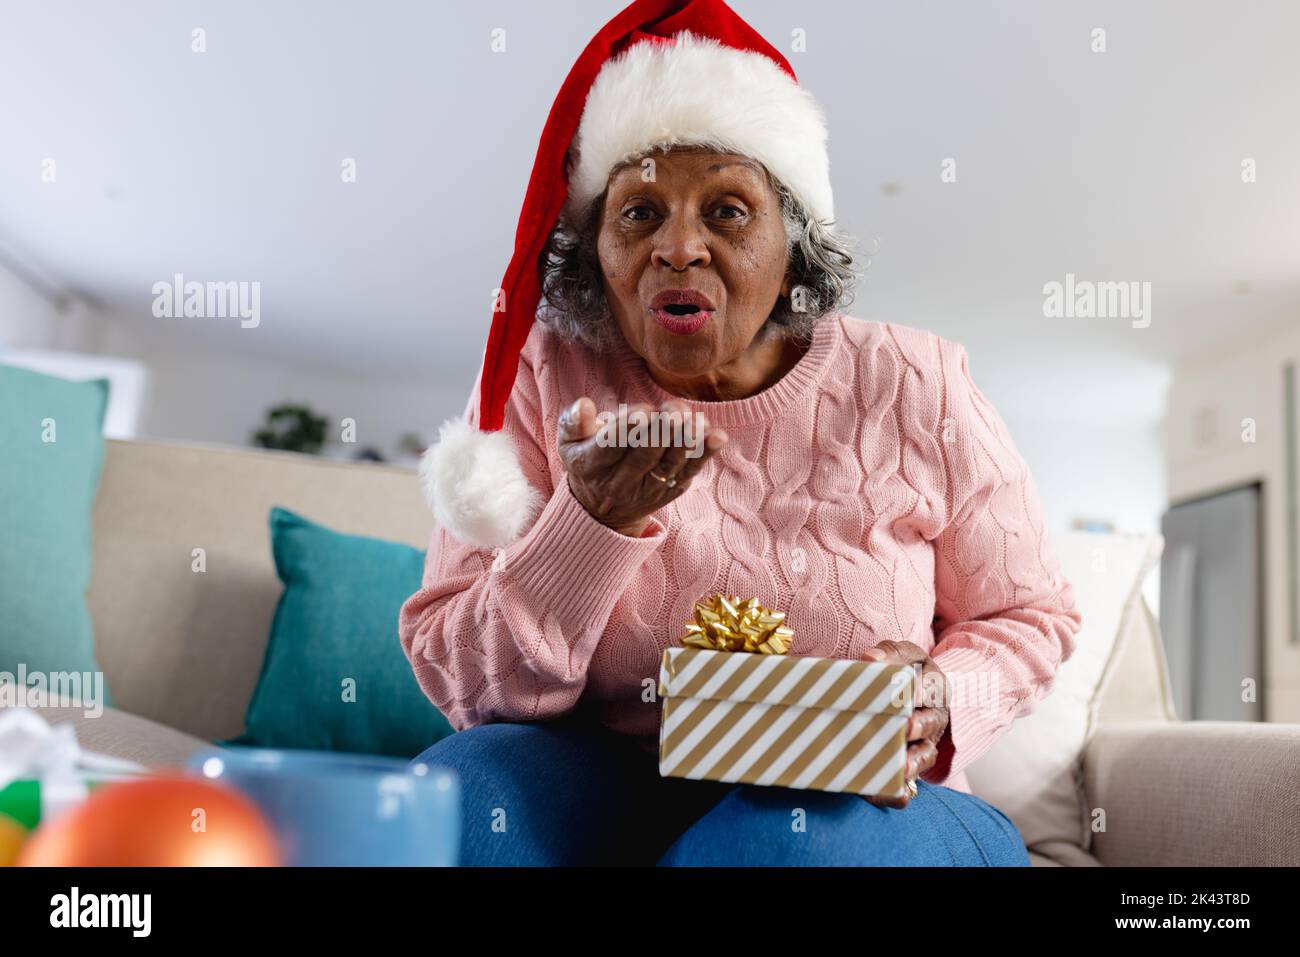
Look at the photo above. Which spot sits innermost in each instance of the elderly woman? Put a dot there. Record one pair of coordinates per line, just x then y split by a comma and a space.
848, 472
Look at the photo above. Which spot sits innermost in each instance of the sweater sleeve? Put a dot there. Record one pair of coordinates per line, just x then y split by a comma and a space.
1005, 617
507, 634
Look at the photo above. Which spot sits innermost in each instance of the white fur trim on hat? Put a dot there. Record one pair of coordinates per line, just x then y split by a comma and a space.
473, 483
697, 91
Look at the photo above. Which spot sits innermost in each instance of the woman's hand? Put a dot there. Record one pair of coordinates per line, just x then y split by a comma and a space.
617, 485
928, 721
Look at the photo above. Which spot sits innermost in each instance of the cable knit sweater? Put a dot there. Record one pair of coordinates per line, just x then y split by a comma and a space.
872, 492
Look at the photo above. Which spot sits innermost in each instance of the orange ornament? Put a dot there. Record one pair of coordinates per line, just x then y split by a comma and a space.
166, 821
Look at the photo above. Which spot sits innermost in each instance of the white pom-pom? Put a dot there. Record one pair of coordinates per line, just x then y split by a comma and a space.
473, 483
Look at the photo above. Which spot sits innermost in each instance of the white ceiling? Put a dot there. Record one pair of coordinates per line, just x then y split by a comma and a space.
1122, 166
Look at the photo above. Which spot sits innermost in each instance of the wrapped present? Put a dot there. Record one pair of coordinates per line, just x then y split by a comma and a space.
44, 771
738, 708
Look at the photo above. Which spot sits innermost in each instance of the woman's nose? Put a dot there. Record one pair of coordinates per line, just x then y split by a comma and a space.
680, 243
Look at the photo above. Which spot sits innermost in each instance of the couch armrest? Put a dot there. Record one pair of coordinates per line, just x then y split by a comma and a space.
1193, 793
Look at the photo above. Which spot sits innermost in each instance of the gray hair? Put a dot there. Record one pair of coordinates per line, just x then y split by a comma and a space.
822, 266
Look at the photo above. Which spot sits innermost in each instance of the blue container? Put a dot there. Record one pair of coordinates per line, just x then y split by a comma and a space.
332, 809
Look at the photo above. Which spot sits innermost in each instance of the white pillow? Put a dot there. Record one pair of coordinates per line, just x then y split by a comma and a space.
1033, 773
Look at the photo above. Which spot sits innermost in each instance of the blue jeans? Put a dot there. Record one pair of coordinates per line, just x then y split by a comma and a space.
570, 792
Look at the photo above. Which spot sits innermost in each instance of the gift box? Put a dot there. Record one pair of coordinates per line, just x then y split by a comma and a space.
756, 715
44, 771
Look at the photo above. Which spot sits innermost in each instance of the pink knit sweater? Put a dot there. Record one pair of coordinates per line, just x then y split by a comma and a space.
873, 493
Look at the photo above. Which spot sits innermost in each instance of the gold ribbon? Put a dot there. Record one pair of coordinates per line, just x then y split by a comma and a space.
725, 623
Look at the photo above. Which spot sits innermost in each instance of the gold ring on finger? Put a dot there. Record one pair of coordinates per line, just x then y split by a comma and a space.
670, 482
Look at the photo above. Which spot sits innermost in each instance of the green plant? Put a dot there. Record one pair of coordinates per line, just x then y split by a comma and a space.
412, 444
292, 428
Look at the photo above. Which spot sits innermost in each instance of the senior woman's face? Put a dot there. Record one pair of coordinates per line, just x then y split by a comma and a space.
708, 224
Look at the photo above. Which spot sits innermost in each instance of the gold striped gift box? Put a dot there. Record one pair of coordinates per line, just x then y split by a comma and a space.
820, 724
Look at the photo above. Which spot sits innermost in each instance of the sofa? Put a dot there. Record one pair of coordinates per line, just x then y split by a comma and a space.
181, 654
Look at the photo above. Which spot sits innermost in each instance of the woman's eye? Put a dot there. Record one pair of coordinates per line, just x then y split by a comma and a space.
730, 212
632, 212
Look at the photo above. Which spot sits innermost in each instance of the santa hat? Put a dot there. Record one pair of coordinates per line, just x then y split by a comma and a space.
662, 73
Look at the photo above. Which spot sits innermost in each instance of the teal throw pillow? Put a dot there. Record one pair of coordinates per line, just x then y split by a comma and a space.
51, 451
334, 677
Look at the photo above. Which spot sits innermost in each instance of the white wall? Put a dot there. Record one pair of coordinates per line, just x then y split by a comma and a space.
1105, 470
1107, 466
1087, 417
1093, 461
1089, 460
222, 400
28, 319
49, 330
202, 390
192, 385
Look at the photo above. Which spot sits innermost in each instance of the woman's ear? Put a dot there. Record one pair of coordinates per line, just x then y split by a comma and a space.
787, 283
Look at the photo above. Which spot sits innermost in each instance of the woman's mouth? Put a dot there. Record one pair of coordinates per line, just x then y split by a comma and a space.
681, 311
682, 319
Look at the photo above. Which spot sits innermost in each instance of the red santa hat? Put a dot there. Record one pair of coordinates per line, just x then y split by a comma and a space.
662, 73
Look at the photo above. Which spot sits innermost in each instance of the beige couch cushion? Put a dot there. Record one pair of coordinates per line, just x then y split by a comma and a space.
185, 647
1196, 793
1136, 684
127, 736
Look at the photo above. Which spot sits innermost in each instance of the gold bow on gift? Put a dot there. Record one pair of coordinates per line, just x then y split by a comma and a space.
725, 623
